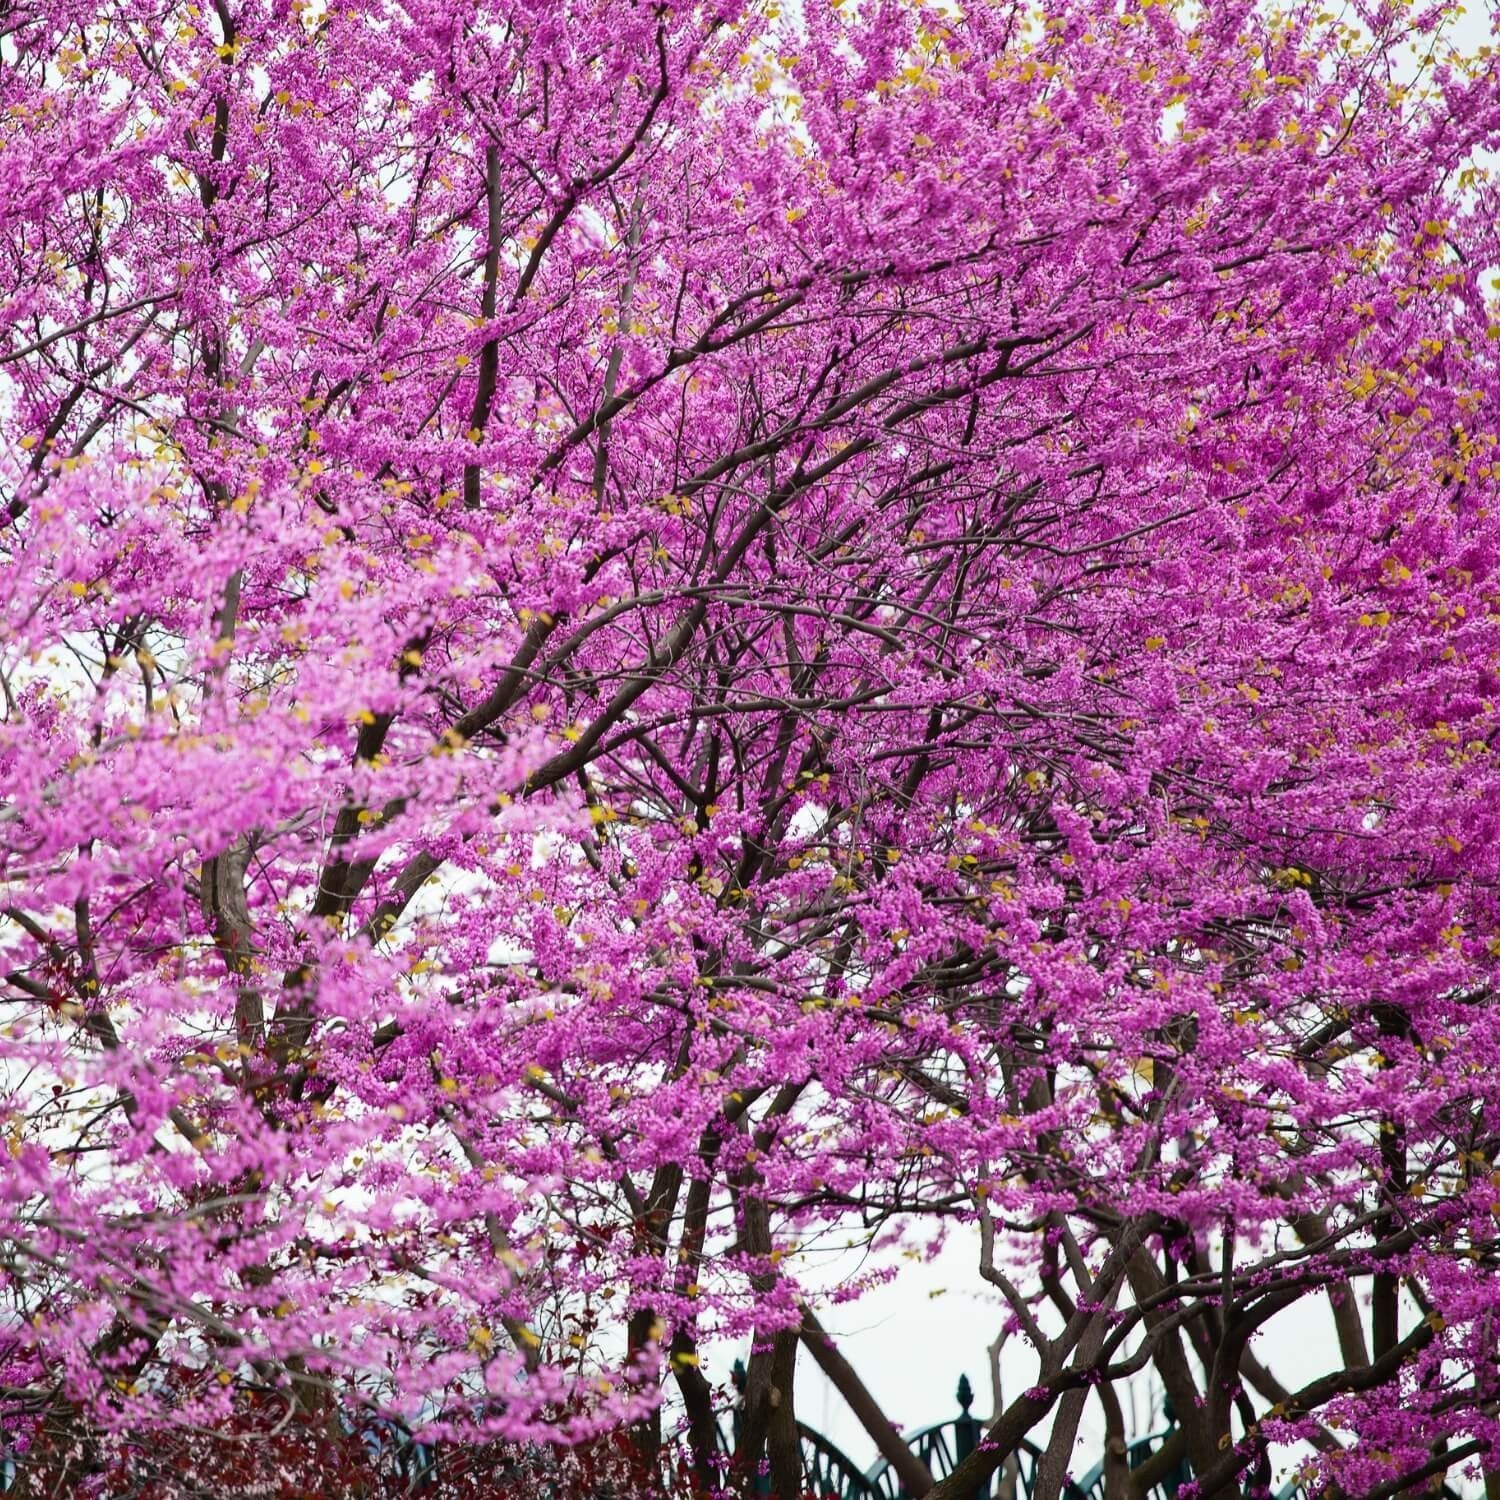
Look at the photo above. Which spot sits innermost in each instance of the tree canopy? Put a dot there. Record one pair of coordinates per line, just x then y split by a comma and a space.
640, 637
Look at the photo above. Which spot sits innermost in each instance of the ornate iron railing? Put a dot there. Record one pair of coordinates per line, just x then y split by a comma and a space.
945, 1445
828, 1472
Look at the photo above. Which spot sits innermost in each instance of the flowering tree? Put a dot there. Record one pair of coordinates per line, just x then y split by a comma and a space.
635, 637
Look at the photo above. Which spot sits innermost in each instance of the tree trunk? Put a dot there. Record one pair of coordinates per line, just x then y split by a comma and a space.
915, 1477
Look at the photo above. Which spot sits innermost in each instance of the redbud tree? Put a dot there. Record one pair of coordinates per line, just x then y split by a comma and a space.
641, 637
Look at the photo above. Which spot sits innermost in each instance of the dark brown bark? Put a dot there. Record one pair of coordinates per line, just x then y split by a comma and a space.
1116, 1451
783, 1446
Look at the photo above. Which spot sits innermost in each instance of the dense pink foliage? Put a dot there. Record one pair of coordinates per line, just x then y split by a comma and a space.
634, 634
